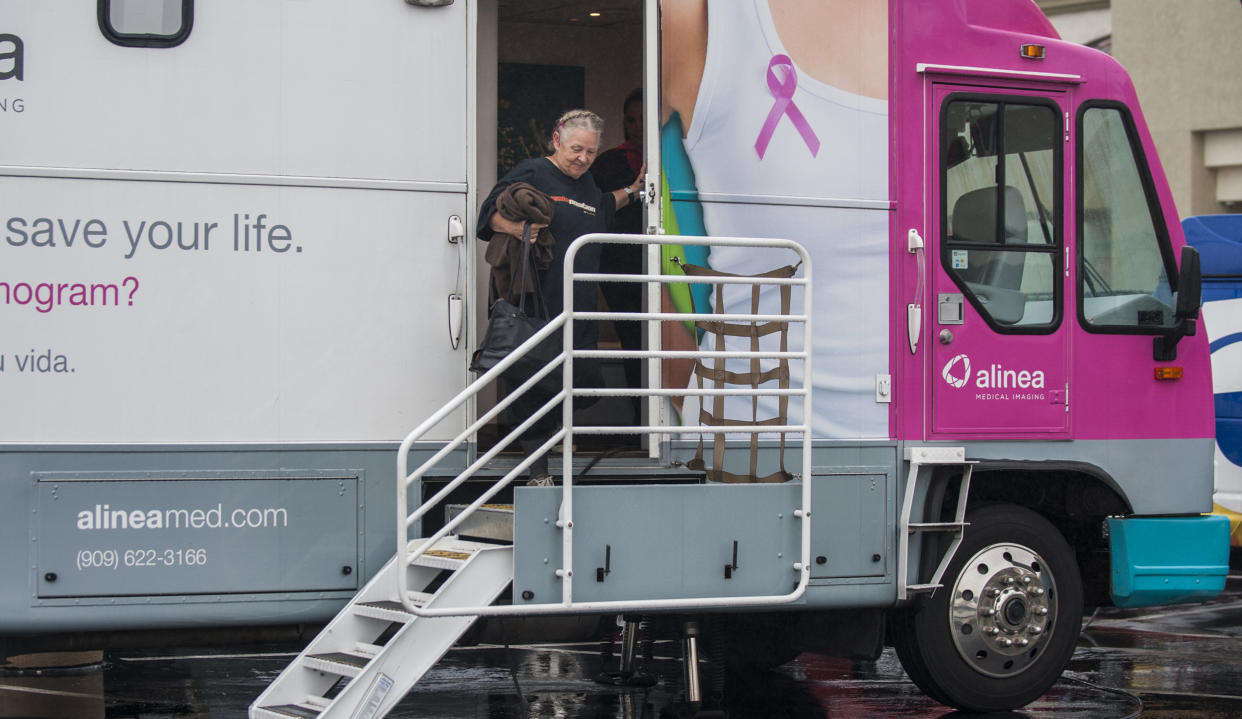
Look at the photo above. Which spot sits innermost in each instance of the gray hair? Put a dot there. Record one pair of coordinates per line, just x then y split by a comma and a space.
580, 120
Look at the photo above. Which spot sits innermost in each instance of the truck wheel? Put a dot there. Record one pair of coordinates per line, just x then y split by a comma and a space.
1001, 629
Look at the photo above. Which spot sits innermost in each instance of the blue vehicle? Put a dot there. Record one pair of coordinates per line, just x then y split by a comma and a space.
1219, 241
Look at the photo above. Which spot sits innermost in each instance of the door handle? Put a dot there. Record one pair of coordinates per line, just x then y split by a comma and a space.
456, 302
914, 325
914, 310
946, 337
456, 313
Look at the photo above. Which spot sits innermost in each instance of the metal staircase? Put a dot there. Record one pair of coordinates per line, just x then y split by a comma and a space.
410, 613
374, 651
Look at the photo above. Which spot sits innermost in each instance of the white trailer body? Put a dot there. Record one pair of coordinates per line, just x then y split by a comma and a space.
226, 272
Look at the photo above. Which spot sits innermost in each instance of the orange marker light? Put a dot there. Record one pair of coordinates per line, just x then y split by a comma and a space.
1032, 52
1168, 373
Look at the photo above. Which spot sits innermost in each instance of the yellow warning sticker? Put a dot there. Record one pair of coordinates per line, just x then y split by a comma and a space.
448, 554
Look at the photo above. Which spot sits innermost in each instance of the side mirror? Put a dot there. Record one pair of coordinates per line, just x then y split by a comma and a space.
1189, 286
1186, 311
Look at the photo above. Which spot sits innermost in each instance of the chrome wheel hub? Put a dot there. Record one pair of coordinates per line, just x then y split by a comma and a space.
1003, 609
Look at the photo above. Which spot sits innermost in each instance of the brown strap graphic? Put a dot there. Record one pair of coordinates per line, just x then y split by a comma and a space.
719, 377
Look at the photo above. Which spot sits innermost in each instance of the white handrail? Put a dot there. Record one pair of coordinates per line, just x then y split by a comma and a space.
405, 478
687, 279
692, 354
564, 362
687, 316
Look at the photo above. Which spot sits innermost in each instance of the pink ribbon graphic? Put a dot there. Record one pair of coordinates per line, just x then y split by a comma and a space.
783, 92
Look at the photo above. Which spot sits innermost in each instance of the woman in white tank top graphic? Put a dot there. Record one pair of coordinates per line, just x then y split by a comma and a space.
784, 109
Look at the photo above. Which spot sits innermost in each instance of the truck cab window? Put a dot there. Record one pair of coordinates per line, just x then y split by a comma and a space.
1124, 264
1000, 190
146, 23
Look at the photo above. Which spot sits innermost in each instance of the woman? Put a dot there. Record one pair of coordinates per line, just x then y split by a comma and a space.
580, 208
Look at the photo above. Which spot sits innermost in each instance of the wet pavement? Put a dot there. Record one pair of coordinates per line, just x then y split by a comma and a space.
1181, 661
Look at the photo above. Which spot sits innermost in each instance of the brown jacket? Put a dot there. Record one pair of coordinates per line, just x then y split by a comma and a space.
519, 201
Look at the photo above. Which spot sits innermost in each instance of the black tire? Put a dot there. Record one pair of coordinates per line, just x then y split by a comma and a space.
1003, 627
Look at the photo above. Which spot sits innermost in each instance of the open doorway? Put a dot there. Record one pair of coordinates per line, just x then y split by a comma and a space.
538, 59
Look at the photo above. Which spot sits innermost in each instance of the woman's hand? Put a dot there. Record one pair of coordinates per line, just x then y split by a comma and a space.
637, 185
514, 227
634, 191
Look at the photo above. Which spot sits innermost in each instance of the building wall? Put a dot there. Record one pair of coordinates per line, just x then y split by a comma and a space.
1085, 22
1186, 61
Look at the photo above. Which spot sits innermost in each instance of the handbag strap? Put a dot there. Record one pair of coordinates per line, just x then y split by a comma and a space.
525, 263
541, 303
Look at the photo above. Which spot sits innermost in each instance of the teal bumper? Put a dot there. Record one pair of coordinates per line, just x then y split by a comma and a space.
1167, 560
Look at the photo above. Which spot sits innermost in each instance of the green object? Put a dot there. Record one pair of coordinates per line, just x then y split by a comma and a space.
680, 294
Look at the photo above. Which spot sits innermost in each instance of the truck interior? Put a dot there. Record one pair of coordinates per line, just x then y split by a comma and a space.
537, 59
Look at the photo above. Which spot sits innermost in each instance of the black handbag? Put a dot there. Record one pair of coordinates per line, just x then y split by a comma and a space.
508, 326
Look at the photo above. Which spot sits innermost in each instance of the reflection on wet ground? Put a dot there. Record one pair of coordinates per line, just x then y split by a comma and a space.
1166, 662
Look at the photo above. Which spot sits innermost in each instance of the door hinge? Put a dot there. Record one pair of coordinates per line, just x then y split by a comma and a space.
1061, 396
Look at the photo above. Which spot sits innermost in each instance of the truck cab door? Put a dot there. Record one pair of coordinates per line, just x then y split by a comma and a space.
998, 344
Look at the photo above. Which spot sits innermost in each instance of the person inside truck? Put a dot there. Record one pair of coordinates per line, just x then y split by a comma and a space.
613, 170
580, 208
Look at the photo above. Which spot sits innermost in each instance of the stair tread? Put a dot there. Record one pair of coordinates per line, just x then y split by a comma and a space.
294, 710
455, 544
937, 525
448, 554
386, 604
353, 660
502, 508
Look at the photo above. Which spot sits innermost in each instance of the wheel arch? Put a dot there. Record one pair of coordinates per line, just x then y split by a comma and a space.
1076, 497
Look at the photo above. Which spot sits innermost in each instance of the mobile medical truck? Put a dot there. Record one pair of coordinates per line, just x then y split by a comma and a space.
238, 284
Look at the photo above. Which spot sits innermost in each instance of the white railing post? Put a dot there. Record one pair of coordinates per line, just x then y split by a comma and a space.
565, 518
